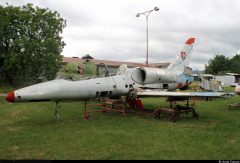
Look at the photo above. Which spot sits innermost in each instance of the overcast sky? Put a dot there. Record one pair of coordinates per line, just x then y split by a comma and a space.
109, 29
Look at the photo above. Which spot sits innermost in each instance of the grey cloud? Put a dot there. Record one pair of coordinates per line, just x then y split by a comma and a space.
110, 30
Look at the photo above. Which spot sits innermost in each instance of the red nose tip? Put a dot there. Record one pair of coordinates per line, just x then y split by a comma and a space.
10, 97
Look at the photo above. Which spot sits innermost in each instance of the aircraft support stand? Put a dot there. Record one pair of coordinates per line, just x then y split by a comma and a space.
175, 112
105, 105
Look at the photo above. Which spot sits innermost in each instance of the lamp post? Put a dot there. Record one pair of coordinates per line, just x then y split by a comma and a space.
147, 13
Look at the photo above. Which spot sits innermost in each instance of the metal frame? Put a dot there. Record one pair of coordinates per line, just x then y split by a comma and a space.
105, 105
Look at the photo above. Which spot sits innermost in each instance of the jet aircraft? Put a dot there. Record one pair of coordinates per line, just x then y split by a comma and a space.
146, 81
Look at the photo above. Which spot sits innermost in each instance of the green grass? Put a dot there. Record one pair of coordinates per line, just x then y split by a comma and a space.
30, 131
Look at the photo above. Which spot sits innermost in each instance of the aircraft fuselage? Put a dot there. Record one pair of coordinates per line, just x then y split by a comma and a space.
156, 78
111, 86
70, 90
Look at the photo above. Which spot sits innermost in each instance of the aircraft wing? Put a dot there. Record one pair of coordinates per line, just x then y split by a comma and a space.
147, 93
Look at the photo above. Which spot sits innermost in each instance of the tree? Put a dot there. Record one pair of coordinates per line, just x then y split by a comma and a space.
235, 64
30, 41
218, 65
72, 70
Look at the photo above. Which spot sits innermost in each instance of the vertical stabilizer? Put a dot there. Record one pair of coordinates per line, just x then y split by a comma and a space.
183, 57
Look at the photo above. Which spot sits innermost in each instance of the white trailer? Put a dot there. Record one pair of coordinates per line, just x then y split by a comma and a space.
226, 79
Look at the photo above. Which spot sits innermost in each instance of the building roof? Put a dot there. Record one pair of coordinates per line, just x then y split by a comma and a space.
113, 63
71, 59
233, 74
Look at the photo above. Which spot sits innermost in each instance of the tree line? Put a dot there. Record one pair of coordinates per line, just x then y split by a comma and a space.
220, 65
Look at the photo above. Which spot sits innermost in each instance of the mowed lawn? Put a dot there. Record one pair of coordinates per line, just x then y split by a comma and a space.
30, 131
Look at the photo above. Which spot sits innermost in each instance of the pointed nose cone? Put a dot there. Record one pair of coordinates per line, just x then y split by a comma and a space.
10, 97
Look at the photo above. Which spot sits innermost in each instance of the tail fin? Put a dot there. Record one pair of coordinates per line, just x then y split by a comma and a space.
183, 57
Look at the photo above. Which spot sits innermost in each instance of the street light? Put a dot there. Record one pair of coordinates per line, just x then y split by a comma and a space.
147, 13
